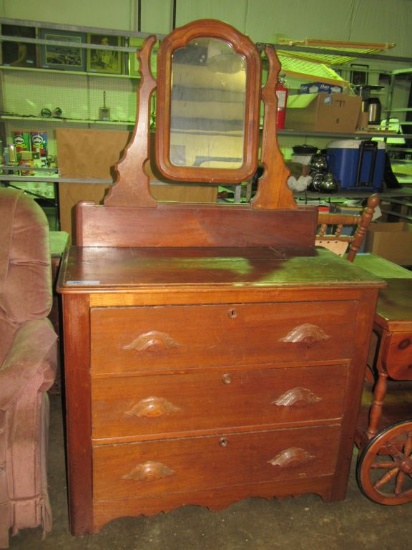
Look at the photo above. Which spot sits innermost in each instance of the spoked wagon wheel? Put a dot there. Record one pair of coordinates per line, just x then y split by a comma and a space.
384, 469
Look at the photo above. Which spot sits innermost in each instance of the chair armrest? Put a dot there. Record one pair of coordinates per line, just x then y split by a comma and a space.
34, 350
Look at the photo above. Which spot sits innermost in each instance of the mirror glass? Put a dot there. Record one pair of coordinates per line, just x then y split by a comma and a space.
207, 108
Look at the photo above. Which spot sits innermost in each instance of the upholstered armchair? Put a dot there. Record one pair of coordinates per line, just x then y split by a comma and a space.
28, 358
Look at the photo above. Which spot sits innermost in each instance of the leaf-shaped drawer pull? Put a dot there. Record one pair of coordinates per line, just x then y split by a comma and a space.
149, 471
152, 407
292, 458
153, 340
306, 333
296, 397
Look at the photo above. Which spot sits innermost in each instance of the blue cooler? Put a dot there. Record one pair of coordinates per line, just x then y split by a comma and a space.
357, 165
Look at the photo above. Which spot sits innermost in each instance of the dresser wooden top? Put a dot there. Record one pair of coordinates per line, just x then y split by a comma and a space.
93, 269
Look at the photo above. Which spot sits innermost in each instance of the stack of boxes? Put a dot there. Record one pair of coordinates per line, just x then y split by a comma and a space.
30, 149
27, 155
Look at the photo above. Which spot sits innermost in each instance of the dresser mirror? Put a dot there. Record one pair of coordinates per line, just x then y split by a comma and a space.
207, 125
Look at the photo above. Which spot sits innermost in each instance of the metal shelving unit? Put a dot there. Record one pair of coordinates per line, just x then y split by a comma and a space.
79, 94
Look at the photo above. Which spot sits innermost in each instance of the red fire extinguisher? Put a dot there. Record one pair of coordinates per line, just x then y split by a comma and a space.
282, 96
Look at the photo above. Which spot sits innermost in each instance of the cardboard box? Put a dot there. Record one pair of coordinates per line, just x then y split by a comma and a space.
337, 113
392, 241
316, 87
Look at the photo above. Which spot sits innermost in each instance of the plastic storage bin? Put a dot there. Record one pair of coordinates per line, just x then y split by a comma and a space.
357, 165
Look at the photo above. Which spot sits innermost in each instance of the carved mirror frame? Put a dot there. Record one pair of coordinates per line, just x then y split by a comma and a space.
240, 67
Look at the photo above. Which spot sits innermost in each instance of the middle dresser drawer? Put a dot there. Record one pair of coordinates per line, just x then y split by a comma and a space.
136, 339
148, 406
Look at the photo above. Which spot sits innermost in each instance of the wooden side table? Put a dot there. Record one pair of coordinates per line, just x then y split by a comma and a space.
384, 434
393, 323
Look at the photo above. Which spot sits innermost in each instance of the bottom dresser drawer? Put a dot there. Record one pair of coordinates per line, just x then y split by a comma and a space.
149, 469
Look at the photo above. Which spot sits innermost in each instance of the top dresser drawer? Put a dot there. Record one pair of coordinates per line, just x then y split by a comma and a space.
133, 339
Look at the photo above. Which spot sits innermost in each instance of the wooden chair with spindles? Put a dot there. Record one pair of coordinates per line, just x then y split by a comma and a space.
330, 229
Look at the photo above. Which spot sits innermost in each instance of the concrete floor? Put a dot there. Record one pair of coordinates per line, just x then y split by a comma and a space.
253, 524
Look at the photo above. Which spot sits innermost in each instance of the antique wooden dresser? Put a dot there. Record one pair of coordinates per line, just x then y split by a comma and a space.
211, 352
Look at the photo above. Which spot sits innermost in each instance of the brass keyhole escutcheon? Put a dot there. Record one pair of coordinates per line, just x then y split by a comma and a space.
223, 442
232, 313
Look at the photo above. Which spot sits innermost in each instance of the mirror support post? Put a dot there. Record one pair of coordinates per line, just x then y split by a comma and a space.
132, 186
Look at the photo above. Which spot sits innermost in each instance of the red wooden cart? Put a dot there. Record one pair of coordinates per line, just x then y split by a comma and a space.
384, 467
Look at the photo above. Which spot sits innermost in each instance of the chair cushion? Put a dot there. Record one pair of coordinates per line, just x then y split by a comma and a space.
25, 264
